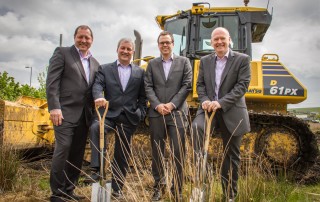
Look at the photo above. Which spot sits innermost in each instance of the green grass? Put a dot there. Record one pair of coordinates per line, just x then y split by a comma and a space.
305, 110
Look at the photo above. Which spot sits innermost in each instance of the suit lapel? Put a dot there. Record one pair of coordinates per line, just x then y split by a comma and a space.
76, 58
174, 61
132, 75
91, 70
227, 67
161, 70
116, 74
212, 69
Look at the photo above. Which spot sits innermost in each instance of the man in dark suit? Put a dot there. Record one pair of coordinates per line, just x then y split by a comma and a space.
70, 77
122, 84
167, 84
223, 80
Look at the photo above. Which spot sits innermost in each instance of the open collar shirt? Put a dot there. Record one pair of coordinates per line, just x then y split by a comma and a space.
220, 65
85, 63
124, 74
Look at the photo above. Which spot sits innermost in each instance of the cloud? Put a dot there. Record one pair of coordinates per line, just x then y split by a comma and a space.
30, 32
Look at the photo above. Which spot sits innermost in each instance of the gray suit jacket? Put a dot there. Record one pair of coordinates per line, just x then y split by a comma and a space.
234, 84
67, 86
132, 101
175, 89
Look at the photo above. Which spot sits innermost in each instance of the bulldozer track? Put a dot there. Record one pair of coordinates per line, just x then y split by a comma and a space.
306, 140
306, 164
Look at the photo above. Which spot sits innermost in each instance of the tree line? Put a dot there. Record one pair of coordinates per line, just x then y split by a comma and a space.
10, 89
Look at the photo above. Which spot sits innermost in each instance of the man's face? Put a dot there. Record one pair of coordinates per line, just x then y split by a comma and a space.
165, 45
83, 40
220, 42
125, 52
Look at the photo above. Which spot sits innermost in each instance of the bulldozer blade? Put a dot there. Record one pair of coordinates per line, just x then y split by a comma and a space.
101, 193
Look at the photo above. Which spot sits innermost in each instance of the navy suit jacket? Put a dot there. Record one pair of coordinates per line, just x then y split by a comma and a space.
132, 101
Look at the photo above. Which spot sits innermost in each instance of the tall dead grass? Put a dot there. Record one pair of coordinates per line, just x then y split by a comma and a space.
9, 165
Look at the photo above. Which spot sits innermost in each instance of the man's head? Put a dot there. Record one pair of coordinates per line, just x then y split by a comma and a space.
125, 50
83, 38
165, 43
220, 41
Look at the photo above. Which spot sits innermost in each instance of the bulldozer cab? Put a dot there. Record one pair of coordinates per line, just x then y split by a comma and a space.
192, 28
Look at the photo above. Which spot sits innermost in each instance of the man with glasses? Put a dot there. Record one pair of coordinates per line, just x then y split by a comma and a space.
167, 84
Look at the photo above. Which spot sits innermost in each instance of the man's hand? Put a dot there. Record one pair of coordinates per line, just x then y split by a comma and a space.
56, 117
213, 106
205, 105
169, 106
100, 102
162, 109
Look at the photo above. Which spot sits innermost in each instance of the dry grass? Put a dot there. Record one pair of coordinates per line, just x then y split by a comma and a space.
256, 182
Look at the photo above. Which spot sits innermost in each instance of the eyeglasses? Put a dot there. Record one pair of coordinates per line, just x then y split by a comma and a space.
165, 42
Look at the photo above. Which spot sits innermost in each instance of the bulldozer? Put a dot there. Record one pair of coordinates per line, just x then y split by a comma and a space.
284, 140
25, 125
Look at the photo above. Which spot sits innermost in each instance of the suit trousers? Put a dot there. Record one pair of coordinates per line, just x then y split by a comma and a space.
70, 141
231, 148
122, 151
173, 126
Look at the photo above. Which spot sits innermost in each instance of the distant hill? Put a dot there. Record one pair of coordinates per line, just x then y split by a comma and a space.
313, 109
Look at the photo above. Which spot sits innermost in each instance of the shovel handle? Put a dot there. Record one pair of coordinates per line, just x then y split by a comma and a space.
101, 137
101, 124
208, 123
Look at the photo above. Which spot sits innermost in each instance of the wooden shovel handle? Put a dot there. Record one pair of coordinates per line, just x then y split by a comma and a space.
208, 123
101, 124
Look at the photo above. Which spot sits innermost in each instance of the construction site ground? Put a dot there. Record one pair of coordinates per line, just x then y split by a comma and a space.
33, 181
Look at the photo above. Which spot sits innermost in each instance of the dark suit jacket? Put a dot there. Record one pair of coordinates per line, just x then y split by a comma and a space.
133, 100
175, 89
234, 84
67, 86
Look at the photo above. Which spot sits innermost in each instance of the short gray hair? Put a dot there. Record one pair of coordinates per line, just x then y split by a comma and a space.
128, 40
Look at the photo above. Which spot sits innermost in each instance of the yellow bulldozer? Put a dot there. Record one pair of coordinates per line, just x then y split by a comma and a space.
283, 139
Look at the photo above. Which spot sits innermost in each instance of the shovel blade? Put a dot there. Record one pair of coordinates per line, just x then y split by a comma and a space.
197, 195
100, 193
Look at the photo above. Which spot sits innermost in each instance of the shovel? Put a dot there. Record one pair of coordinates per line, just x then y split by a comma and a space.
198, 193
101, 191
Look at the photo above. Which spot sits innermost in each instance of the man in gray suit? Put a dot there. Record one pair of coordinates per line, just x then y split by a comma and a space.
223, 80
167, 84
122, 84
70, 77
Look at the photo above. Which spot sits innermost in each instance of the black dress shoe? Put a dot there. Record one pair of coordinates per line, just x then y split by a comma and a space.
94, 177
156, 195
117, 194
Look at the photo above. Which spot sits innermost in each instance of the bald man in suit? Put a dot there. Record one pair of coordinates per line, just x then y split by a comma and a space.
168, 83
224, 77
70, 77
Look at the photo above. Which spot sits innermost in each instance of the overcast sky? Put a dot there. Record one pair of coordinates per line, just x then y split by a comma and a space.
30, 29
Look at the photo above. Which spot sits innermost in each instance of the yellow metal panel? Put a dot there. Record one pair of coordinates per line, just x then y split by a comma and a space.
24, 124
254, 74
195, 78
